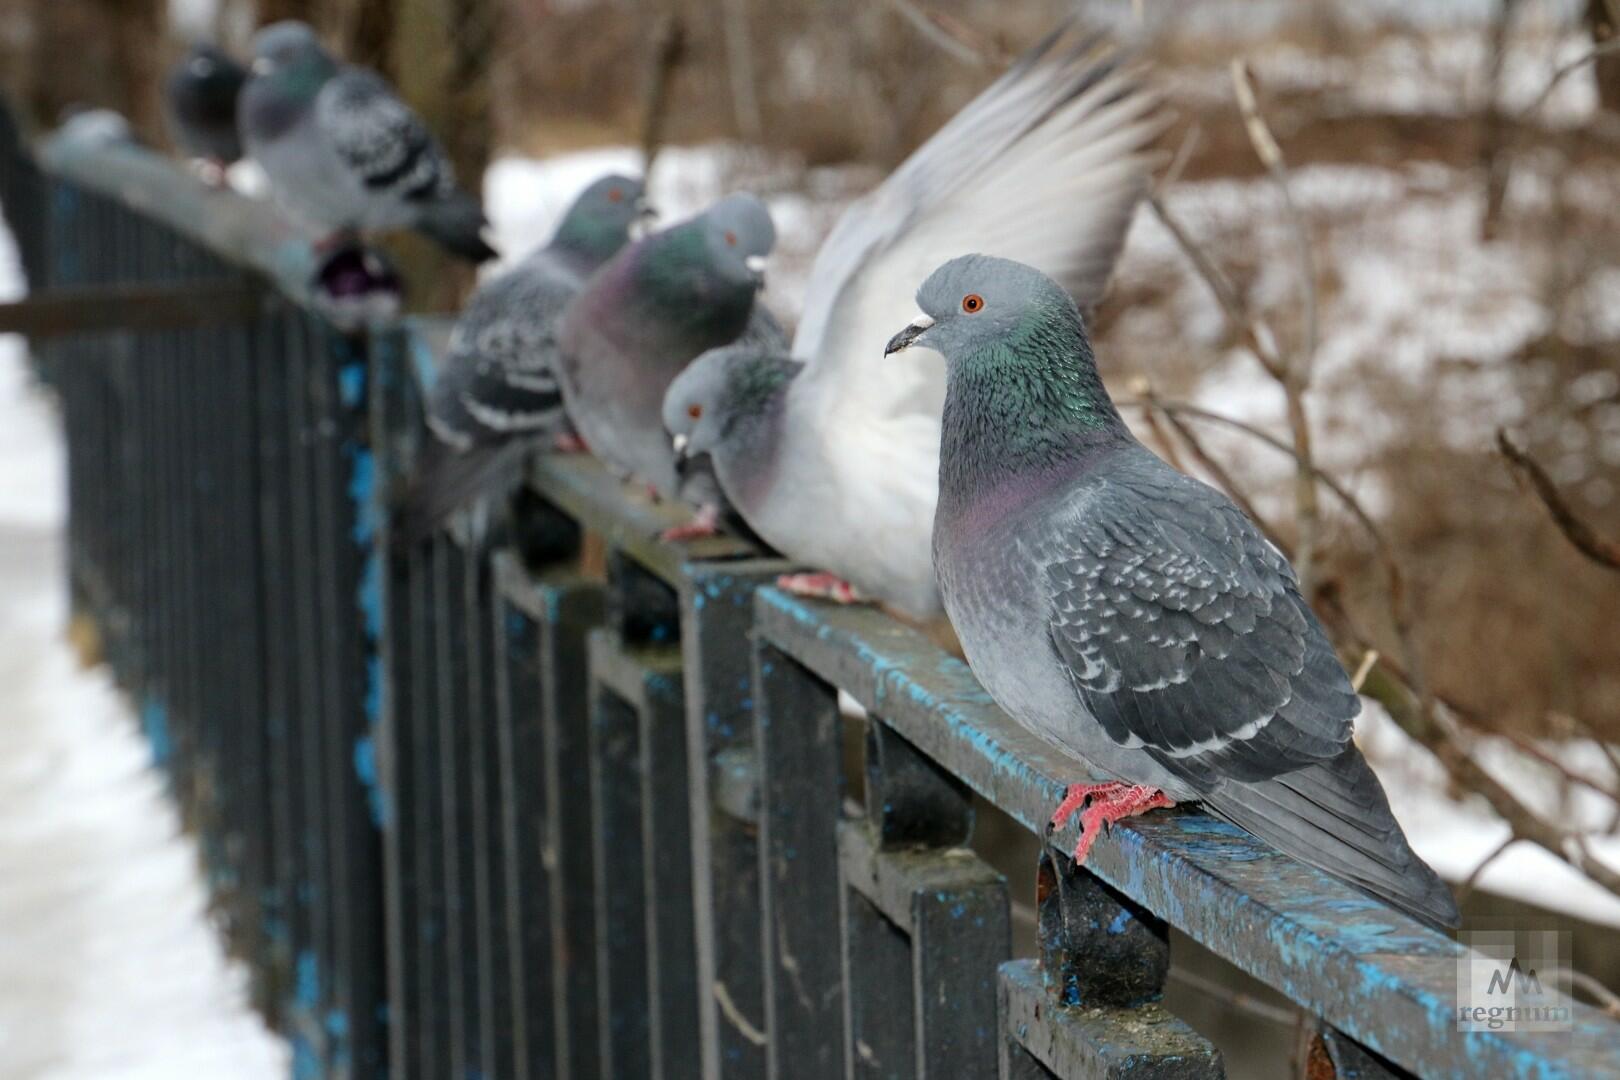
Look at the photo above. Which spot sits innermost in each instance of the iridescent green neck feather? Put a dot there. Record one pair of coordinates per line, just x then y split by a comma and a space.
1029, 405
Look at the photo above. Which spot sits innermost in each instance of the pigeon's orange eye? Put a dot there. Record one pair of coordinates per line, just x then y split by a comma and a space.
694, 411
615, 195
731, 238
972, 302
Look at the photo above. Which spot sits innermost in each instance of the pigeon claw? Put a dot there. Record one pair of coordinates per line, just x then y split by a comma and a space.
704, 523
819, 586
569, 443
1077, 796
1123, 801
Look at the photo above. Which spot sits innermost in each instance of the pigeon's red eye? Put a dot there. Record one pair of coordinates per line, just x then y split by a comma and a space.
615, 195
731, 238
972, 302
694, 411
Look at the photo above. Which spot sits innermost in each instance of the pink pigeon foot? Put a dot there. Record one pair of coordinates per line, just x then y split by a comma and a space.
569, 443
819, 586
706, 522
1125, 801
1077, 796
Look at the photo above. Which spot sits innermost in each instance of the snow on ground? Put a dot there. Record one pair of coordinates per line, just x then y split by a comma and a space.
109, 966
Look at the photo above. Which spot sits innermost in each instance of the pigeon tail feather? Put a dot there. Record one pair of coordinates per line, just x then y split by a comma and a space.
457, 224
1334, 816
447, 480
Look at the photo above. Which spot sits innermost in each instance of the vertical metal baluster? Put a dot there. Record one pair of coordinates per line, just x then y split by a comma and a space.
520, 793
666, 826
429, 999
570, 611
449, 569
1090, 1006
798, 738
716, 612
621, 914
494, 988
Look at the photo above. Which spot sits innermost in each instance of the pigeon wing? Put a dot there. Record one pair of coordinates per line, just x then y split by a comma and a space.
380, 138
1045, 167
1182, 631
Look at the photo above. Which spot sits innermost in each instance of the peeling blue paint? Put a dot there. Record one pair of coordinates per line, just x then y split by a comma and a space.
365, 767
155, 724
307, 979
352, 383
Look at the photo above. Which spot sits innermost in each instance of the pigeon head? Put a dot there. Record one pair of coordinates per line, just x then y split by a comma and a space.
291, 49
723, 397
210, 66
979, 303
739, 234
1022, 389
600, 220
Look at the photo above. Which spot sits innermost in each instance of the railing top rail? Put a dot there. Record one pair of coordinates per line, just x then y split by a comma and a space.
244, 231
1369, 969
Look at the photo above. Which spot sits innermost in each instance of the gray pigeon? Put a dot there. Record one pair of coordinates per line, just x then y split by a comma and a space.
496, 396
1045, 166
200, 100
654, 307
343, 152
1128, 613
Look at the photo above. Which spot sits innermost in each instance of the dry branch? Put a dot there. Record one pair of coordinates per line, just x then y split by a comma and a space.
1585, 539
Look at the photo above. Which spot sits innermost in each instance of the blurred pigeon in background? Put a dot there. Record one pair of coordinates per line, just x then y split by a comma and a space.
496, 395
200, 101
1046, 165
343, 152
654, 307
1129, 613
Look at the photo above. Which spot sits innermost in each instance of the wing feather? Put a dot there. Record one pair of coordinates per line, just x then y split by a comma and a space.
381, 138
1045, 166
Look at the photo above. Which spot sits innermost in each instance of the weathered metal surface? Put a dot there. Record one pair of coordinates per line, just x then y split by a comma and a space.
97, 309
716, 614
619, 849
951, 910
1097, 947
798, 742
1369, 970
1082, 1043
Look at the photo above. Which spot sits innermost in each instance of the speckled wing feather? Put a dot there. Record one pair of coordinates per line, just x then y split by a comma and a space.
1183, 632
381, 138
498, 378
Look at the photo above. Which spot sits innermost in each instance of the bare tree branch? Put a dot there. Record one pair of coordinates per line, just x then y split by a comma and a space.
669, 45
949, 34
1583, 537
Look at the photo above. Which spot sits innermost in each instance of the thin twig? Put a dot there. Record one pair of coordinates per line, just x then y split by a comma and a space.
1565, 70
1295, 375
1599, 549
1607, 999
1471, 882
949, 34
1368, 659
669, 45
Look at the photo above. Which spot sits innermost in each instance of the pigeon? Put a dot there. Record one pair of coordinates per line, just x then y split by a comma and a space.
496, 397
200, 100
653, 308
343, 152
1046, 165
1130, 614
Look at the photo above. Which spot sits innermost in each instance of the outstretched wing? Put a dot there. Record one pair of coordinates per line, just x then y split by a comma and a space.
1183, 632
379, 137
1045, 167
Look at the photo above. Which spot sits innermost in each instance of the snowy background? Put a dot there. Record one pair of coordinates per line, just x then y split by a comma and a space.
109, 966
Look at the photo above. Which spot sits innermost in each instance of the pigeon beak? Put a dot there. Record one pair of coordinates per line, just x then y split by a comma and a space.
905, 338
645, 211
756, 266
679, 443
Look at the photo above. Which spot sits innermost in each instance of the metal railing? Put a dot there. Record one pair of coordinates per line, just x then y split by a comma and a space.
473, 809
